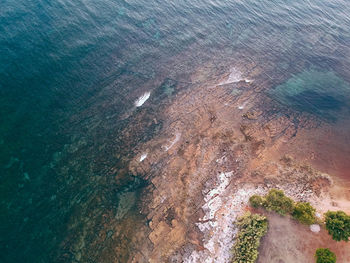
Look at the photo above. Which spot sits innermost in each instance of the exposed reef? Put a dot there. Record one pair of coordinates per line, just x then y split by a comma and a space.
181, 167
217, 148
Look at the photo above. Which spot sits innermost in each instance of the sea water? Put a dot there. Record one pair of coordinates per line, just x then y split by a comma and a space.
75, 76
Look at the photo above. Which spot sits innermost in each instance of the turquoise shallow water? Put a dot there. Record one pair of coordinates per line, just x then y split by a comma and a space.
70, 72
322, 93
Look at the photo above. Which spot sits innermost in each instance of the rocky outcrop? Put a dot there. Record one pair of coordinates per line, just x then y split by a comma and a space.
216, 149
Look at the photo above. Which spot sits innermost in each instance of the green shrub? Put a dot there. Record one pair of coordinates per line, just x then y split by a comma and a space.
256, 201
278, 202
252, 227
338, 225
304, 213
324, 255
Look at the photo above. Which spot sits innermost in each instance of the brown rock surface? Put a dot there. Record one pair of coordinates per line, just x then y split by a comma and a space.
209, 159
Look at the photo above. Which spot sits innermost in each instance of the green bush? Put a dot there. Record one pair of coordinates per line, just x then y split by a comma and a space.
304, 213
338, 225
324, 255
256, 201
252, 227
278, 202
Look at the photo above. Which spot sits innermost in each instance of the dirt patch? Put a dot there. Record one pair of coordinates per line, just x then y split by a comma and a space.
216, 149
288, 242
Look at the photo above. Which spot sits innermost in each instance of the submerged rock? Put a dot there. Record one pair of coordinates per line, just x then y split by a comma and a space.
322, 93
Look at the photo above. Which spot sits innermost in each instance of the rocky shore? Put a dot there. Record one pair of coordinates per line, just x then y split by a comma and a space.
222, 142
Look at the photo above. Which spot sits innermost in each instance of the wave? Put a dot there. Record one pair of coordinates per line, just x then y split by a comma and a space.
141, 100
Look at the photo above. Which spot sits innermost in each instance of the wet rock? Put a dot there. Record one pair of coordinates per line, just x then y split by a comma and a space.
251, 115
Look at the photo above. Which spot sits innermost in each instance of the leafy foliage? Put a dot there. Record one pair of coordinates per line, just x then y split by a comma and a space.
338, 225
324, 255
304, 213
252, 227
257, 201
278, 202
275, 200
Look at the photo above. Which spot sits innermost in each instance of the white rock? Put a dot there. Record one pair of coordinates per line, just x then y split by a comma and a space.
315, 228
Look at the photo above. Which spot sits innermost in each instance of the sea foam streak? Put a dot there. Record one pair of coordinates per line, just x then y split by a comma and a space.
235, 76
172, 143
140, 101
143, 157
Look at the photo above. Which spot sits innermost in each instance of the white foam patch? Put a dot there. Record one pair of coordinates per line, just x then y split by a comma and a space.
235, 76
172, 143
315, 228
140, 101
143, 156
221, 209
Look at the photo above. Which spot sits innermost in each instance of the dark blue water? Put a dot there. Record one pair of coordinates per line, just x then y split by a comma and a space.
70, 72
